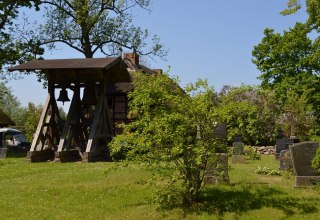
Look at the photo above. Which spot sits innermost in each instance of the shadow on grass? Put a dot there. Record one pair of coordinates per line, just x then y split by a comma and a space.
16, 154
241, 198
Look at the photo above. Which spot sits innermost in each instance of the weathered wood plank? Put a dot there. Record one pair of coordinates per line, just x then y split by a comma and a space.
40, 124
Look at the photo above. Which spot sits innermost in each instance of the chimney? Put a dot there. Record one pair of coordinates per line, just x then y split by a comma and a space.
133, 57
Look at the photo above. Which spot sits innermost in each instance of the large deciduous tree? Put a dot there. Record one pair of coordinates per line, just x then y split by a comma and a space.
289, 63
32, 117
89, 26
250, 112
11, 49
313, 10
11, 105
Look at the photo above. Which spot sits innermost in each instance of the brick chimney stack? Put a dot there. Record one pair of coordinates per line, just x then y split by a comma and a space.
133, 57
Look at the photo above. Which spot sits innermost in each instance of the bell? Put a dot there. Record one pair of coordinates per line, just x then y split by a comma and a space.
89, 95
63, 97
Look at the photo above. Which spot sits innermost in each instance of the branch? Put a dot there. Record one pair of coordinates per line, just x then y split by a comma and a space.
60, 7
6, 15
62, 41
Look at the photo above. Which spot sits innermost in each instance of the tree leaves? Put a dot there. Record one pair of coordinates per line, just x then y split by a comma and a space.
172, 127
89, 26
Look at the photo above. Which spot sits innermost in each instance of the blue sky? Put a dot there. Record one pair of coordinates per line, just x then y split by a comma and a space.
208, 39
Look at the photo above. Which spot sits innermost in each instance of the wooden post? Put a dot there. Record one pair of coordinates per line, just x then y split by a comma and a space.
47, 133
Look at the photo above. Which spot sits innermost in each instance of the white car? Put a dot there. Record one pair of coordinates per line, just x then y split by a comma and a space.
14, 140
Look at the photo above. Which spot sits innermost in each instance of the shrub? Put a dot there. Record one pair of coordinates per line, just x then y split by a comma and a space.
267, 171
252, 153
173, 131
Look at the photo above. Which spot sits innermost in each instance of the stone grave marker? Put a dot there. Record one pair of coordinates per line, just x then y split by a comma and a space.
237, 139
281, 144
221, 131
217, 170
238, 148
302, 155
285, 160
292, 140
238, 153
280, 133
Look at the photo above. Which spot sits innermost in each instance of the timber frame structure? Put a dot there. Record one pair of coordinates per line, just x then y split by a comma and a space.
84, 134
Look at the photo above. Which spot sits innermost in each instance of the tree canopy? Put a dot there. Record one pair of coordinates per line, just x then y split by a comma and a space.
250, 112
289, 63
11, 49
89, 26
313, 9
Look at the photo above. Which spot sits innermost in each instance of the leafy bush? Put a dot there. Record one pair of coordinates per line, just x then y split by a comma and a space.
173, 130
267, 171
252, 153
316, 160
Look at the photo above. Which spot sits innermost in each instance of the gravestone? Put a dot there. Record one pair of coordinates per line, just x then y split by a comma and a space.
217, 170
221, 131
280, 134
302, 155
238, 148
292, 140
237, 139
3, 152
238, 153
281, 144
285, 160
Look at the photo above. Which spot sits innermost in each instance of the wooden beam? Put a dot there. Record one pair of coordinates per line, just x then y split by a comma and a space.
94, 126
41, 123
67, 123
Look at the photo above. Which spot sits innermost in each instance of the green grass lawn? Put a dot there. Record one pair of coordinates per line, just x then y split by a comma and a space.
86, 191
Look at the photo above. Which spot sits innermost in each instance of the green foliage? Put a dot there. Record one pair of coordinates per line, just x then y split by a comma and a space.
172, 130
32, 115
285, 61
289, 67
89, 26
11, 48
26, 118
316, 161
238, 148
298, 118
11, 105
250, 112
293, 6
313, 8
267, 171
252, 153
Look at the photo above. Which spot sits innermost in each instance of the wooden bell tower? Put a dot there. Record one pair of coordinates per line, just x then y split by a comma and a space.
84, 134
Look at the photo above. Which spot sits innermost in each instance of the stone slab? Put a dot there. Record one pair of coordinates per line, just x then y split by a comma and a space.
292, 140
304, 181
238, 148
217, 170
285, 160
302, 155
221, 131
281, 144
237, 139
238, 159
